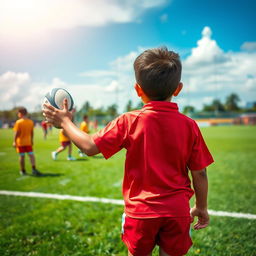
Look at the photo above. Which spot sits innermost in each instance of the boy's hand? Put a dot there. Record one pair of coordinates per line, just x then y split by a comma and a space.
14, 144
57, 116
203, 218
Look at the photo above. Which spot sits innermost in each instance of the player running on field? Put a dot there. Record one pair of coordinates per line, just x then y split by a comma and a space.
162, 146
64, 143
23, 141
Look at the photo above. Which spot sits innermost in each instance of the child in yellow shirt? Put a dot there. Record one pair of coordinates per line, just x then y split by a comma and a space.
84, 126
65, 143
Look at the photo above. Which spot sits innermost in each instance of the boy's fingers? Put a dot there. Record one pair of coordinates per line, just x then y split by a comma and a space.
200, 226
65, 104
48, 106
47, 113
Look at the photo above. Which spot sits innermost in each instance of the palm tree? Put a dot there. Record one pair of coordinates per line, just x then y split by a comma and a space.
232, 102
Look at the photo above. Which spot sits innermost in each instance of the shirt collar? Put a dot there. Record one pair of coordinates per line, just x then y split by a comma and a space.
161, 105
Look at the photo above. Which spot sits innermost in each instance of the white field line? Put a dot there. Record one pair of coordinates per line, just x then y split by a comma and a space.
110, 201
62, 197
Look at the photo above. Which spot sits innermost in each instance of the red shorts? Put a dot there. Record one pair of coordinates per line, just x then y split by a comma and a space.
171, 234
65, 143
24, 149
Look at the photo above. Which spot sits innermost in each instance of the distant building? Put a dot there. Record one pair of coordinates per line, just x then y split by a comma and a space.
215, 121
246, 119
211, 119
250, 105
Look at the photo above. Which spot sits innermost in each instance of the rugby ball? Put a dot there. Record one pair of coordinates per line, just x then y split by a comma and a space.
56, 96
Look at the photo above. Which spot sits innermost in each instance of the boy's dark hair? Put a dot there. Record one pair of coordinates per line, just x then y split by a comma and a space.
22, 110
85, 116
158, 72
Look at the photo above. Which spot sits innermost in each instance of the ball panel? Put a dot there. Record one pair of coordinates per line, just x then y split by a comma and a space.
60, 95
45, 101
56, 96
51, 100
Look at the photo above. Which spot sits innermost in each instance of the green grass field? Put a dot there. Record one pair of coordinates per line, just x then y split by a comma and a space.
36, 226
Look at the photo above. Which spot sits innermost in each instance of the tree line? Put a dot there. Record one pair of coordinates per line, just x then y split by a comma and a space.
105, 114
230, 105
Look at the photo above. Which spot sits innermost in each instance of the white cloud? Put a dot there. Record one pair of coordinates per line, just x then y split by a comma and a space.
98, 73
28, 17
207, 32
249, 46
147, 3
124, 63
211, 72
114, 86
207, 51
205, 77
18, 89
11, 84
250, 85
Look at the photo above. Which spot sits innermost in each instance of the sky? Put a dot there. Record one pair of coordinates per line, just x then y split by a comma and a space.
88, 47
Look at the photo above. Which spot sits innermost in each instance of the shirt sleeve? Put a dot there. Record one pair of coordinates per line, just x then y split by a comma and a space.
16, 126
111, 139
200, 156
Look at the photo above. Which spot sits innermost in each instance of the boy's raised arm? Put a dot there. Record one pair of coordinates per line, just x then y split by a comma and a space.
200, 184
62, 119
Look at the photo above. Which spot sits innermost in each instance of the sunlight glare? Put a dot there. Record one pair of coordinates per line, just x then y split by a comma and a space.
24, 18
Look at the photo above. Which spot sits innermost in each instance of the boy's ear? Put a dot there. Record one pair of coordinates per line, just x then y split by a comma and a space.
138, 89
179, 88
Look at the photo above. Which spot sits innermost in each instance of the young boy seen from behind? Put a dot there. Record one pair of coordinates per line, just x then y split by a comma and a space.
162, 146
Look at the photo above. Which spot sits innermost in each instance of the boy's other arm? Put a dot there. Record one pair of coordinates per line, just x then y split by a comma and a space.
16, 135
62, 119
200, 184
32, 137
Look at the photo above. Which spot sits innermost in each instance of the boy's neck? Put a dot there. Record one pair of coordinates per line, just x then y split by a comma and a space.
147, 100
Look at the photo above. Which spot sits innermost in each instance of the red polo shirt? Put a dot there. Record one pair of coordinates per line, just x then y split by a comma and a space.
162, 144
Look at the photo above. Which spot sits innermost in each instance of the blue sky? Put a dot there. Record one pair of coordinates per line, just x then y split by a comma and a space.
88, 47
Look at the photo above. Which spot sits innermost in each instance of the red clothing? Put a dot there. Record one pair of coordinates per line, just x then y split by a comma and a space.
141, 235
44, 125
24, 149
162, 144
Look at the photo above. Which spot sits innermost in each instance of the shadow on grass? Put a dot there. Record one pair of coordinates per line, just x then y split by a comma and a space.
46, 175
73, 161
81, 159
98, 157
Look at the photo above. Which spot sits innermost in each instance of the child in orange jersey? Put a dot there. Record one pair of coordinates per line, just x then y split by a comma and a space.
65, 142
23, 140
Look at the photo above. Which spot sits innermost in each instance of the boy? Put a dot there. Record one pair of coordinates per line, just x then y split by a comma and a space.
162, 145
64, 143
23, 140
84, 126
